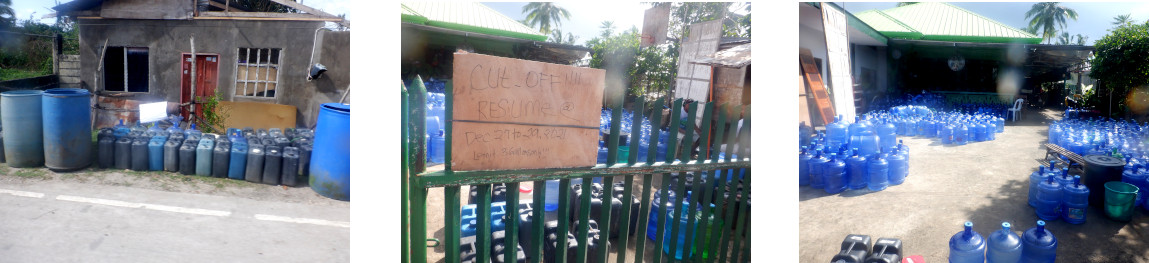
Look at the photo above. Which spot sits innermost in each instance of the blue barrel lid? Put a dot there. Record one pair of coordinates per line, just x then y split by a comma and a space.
21, 93
66, 92
337, 108
1040, 237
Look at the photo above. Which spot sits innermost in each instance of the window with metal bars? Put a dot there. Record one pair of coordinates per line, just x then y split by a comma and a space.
126, 69
257, 72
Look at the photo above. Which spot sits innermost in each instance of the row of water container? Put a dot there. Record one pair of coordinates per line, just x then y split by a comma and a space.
835, 172
1056, 194
1036, 244
1137, 174
949, 127
1100, 136
274, 156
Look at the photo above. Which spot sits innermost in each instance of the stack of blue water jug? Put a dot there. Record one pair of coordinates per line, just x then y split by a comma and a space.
435, 127
1034, 245
1054, 194
1115, 138
950, 127
853, 156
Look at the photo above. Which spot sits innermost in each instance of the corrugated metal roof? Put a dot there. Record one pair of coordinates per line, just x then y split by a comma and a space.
471, 17
944, 22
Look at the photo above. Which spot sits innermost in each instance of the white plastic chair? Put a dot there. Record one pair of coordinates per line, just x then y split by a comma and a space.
1016, 108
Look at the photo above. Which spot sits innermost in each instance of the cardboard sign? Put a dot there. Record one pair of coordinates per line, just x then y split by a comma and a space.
518, 114
151, 112
838, 53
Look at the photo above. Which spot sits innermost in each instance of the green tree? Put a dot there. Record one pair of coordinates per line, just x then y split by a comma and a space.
1063, 39
607, 28
1049, 16
7, 15
1122, 20
1030, 29
557, 37
263, 6
1121, 67
545, 15
901, 4
1080, 40
650, 70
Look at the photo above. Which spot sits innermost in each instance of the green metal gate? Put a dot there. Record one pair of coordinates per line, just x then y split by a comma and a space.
685, 158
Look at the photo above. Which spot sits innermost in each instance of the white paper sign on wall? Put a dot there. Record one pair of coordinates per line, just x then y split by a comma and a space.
151, 112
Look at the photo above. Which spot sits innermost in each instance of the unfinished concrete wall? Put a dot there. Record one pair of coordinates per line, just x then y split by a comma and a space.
334, 52
70, 71
148, 9
168, 40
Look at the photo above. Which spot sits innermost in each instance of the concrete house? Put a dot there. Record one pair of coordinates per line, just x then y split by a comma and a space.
141, 51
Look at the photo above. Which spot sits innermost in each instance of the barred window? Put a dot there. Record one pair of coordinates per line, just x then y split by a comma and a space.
257, 72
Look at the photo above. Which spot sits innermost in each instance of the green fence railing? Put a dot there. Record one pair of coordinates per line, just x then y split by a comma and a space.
692, 157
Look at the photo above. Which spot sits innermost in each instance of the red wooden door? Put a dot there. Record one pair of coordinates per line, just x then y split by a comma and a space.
207, 78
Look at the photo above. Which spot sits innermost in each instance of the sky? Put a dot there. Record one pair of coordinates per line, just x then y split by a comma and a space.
1093, 18
24, 8
586, 16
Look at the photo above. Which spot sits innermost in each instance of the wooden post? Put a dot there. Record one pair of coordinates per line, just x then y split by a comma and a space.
191, 105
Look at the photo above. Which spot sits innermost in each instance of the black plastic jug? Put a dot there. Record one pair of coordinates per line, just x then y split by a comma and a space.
305, 161
550, 248
254, 171
221, 156
282, 142
290, 170
593, 238
467, 249
499, 244
187, 157
886, 250
171, 155
855, 248
123, 153
617, 192
107, 148
272, 163
140, 154
526, 229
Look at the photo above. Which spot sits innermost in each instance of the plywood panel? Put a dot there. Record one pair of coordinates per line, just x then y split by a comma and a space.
519, 114
258, 115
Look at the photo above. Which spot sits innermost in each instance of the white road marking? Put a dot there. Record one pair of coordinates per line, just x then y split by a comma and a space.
302, 220
165, 208
22, 193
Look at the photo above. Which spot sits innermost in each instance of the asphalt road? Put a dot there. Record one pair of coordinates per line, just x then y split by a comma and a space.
56, 221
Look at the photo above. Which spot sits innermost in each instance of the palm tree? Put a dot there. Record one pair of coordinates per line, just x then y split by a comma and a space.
545, 15
1047, 16
607, 28
901, 4
7, 15
1080, 39
1063, 39
557, 37
1122, 20
1030, 29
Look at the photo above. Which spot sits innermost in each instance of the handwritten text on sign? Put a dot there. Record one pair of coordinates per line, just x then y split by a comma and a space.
518, 114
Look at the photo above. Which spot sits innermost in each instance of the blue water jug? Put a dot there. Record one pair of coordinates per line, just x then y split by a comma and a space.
835, 175
436, 150
878, 173
858, 128
887, 136
1076, 203
1048, 199
991, 131
1003, 246
156, 153
961, 134
1036, 178
911, 127
683, 221
967, 246
867, 144
1136, 177
121, 130
817, 166
655, 205
837, 133
856, 172
551, 202
946, 134
1038, 245
804, 158
900, 127
898, 168
1000, 124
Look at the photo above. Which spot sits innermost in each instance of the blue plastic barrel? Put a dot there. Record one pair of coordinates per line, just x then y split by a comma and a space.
331, 155
20, 114
67, 133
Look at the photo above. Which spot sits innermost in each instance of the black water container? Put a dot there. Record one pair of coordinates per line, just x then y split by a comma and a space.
615, 218
269, 142
220, 157
2, 160
123, 153
1100, 169
550, 248
140, 154
107, 148
272, 164
187, 157
178, 137
498, 193
855, 248
254, 171
298, 141
172, 155
526, 220
248, 130
304, 161
499, 245
595, 200
467, 249
593, 238
886, 250
194, 137
282, 142
104, 133
290, 170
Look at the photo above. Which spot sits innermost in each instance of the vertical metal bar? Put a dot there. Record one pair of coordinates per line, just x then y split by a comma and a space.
483, 231
743, 142
419, 223
257, 67
417, 98
564, 220
607, 182
628, 181
644, 207
687, 148
671, 154
694, 222
716, 148
731, 197
746, 249
511, 218
612, 140
418, 102
448, 103
538, 219
453, 220
403, 178
583, 227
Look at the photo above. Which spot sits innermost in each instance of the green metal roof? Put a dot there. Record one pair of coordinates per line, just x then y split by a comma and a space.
943, 22
470, 17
